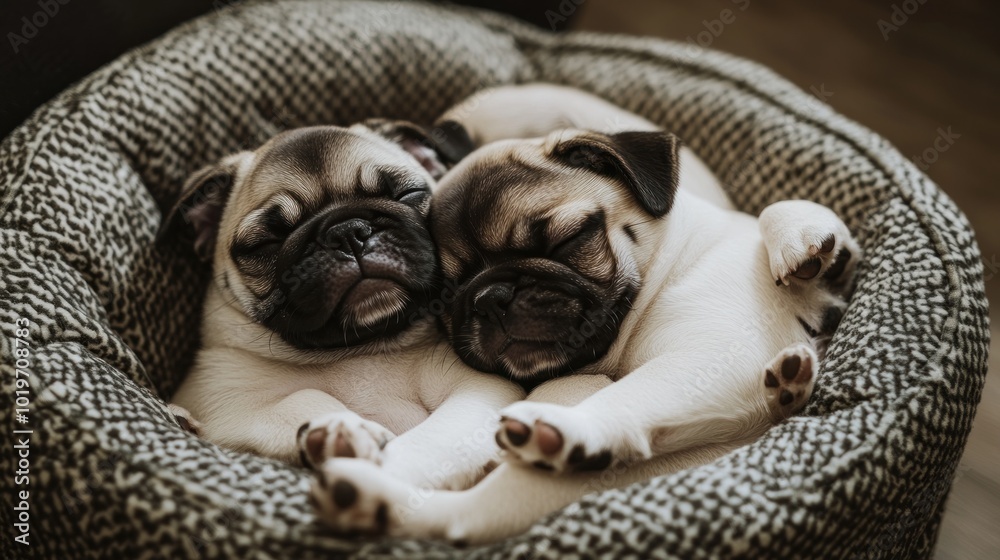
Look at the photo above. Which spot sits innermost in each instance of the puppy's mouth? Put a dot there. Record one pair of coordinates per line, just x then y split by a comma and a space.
525, 359
536, 328
349, 277
373, 301
369, 310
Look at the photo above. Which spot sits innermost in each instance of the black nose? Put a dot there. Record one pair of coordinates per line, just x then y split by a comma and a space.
492, 301
348, 236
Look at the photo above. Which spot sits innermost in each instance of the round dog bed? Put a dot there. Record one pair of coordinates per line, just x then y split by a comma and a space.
864, 472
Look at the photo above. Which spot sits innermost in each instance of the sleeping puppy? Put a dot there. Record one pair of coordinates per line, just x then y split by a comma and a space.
692, 328
315, 340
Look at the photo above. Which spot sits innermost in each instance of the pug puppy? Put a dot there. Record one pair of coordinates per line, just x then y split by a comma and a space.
316, 337
691, 328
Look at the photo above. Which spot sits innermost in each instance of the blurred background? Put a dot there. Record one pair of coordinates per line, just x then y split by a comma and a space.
923, 73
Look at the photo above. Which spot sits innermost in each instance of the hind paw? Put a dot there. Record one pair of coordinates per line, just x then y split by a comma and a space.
789, 379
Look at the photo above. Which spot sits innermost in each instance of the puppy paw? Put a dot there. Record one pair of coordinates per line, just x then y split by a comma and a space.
354, 497
359, 498
805, 242
184, 419
788, 380
341, 434
551, 437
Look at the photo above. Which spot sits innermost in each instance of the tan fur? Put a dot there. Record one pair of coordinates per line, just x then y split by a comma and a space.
690, 361
251, 391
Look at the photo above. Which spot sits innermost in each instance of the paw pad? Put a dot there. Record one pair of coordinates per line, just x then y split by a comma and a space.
788, 380
517, 433
341, 434
355, 497
808, 243
344, 494
546, 438
529, 433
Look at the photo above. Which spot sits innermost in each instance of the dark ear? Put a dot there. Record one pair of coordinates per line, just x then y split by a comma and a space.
198, 210
436, 150
647, 162
453, 140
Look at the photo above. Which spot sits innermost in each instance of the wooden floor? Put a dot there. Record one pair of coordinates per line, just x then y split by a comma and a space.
940, 69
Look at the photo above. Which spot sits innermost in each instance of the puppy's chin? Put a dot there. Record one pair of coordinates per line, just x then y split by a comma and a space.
529, 361
374, 301
533, 347
374, 311
526, 360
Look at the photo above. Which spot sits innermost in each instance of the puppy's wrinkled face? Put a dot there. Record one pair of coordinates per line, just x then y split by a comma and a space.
321, 235
543, 240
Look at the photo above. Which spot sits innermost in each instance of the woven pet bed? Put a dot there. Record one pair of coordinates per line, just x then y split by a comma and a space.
864, 472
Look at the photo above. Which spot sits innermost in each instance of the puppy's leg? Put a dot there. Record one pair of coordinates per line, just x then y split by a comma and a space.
276, 428
358, 497
806, 241
454, 445
353, 498
649, 412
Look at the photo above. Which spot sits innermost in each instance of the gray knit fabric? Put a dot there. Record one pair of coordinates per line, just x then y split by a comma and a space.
863, 473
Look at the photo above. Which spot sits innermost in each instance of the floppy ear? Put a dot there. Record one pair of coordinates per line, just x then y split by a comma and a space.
647, 162
452, 140
436, 150
198, 209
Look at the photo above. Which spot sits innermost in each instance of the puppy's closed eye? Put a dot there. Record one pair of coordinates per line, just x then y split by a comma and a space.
259, 243
256, 247
577, 237
413, 195
403, 188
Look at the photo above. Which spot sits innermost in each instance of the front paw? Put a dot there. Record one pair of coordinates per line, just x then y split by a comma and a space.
341, 434
805, 242
551, 437
354, 497
359, 498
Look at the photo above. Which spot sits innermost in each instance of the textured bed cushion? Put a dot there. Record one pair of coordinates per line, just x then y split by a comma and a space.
863, 473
